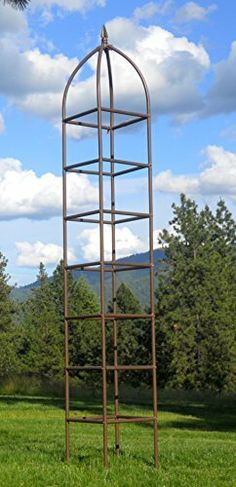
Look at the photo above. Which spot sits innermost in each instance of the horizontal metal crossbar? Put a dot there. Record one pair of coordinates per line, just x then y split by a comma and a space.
81, 114
106, 127
105, 173
111, 316
109, 110
80, 164
95, 173
111, 419
109, 266
129, 122
126, 162
139, 165
125, 112
82, 266
131, 216
134, 267
127, 171
89, 125
110, 367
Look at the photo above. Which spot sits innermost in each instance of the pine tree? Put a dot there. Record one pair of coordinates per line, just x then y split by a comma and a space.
196, 299
84, 335
42, 341
8, 357
57, 289
131, 336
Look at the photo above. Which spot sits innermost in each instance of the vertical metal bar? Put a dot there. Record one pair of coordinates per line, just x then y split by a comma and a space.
152, 303
113, 238
152, 306
102, 269
65, 245
66, 351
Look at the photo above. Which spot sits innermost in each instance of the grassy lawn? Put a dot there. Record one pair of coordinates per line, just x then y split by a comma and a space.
197, 446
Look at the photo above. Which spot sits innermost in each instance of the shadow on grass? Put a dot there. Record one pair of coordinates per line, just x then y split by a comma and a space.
203, 416
195, 416
93, 407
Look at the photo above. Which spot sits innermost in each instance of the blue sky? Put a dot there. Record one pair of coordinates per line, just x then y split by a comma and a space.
187, 53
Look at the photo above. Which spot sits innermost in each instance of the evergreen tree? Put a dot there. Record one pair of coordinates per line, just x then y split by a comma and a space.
6, 307
57, 289
8, 357
84, 335
196, 299
131, 335
42, 341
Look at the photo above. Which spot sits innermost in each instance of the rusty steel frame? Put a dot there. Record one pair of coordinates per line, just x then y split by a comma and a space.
102, 266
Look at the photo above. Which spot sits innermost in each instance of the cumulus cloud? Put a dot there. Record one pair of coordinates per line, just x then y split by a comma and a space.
172, 65
31, 254
11, 20
127, 243
2, 124
221, 97
37, 73
171, 183
24, 194
69, 5
30, 78
217, 178
193, 11
151, 8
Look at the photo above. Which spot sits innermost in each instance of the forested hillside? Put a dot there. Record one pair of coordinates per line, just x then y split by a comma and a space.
137, 282
195, 311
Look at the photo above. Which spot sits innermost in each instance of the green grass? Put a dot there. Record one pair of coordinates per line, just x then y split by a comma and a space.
197, 446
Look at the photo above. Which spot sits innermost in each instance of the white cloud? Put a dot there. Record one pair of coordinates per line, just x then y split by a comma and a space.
167, 181
32, 80
2, 124
218, 178
24, 194
11, 20
151, 8
57, 8
193, 11
222, 95
69, 5
31, 254
172, 66
37, 73
127, 243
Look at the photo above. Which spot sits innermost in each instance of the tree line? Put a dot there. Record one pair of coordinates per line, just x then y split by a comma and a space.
195, 313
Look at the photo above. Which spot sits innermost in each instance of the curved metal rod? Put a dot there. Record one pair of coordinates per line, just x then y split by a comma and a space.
86, 58
125, 56
73, 74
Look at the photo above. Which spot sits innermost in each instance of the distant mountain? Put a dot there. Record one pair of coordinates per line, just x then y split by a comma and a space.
137, 280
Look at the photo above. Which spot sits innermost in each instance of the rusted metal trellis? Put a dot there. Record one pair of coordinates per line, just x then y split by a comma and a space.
113, 217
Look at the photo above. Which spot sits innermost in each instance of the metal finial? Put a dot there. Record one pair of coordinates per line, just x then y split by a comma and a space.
104, 35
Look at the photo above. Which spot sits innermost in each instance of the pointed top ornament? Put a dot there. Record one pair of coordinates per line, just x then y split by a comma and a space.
104, 35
